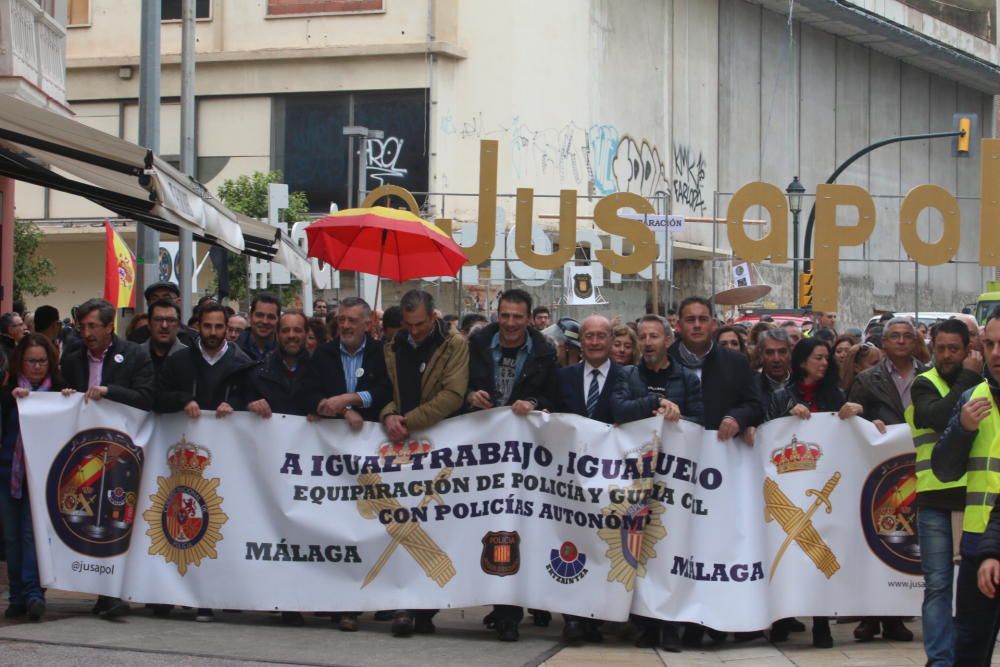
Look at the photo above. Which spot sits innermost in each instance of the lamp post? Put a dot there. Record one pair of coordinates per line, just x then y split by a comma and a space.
795, 192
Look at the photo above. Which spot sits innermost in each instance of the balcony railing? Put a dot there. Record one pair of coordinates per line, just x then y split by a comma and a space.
33, 47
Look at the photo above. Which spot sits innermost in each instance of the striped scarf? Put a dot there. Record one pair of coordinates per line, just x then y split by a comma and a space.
17, 465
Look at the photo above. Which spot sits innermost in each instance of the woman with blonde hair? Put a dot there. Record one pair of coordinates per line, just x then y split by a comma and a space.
625, 345
858, 358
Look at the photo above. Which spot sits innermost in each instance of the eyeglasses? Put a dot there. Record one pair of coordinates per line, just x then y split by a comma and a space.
160, 321
37, 362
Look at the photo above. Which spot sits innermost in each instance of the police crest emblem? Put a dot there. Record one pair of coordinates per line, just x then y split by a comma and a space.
501, 553
632, 527
186, 512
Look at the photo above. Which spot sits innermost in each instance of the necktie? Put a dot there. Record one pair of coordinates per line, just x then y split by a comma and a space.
593, 393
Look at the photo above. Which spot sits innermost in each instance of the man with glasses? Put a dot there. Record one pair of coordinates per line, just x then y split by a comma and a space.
883, 391
164, 323
106, 366
235, 326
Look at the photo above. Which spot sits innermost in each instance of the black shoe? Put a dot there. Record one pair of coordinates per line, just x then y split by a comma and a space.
161, 610
103, 603
717, 636
693, 634
649, 637
592, 633
669, 639
424, 625
382, 616
292, 619
742, 637
793, 624
490, 620
116, 608
204, 615
402, 624
894, 630
507, 631
573, 632
867, 629
821, 635
541, 618
36, 609
16, 610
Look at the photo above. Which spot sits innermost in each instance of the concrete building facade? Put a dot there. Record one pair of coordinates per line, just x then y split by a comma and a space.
681, 101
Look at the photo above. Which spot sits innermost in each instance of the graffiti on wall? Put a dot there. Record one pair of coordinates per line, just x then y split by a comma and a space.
600, 158
689, 178
383, 156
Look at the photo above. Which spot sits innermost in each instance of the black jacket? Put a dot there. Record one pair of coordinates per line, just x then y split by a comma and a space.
570, 397
989, 543
247, 343
269, 380
931, 409
784, 399
324, 377
727, 388
537, 379
127, 373
186, 377
632, 399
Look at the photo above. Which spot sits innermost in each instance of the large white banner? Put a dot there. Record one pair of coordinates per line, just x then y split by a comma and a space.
547, 511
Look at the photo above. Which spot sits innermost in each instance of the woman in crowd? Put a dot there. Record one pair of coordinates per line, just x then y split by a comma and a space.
34, 366
729, 336
625, 346
841, 347
315, 333
812, 387
859, 358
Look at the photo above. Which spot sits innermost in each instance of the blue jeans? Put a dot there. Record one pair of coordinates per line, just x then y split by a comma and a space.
936, 557
19, 540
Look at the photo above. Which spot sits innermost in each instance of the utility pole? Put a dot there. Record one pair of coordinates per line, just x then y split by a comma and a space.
147, 244
185, 253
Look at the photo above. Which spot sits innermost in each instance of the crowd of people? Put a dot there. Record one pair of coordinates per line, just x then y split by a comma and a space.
411, 366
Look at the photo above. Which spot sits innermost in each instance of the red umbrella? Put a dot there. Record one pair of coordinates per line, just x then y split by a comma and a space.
385, 242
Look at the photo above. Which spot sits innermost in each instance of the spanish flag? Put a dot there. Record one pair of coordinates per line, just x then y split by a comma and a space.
119, 270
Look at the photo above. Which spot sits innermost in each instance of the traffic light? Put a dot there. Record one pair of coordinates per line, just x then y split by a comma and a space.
805, 289
965, 124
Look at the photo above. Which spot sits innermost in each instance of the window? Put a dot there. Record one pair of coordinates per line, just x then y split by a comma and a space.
79, 13
171, 9
312, 151
977, 17
298, 7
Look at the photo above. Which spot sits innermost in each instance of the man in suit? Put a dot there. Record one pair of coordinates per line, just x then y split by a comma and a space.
883, 391
106, 366
586, 389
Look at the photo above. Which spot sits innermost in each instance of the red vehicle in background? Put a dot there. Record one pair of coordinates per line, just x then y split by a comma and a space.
752, 316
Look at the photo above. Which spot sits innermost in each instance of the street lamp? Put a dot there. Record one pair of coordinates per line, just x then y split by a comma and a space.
795, 192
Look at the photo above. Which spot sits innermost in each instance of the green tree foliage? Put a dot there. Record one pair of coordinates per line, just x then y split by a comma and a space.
248, 195
32, 275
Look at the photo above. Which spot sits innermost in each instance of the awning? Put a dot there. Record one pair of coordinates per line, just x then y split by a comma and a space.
41, 147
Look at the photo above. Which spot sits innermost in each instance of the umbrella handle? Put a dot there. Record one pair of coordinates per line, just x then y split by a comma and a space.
378, 274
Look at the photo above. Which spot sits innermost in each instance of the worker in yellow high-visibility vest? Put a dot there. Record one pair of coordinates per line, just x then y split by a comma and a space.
970, 446
934, 394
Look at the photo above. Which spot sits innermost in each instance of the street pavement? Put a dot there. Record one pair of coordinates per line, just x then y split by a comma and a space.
70, 636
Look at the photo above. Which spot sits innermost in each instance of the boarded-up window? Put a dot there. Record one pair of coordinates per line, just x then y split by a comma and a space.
295, 7
79, 12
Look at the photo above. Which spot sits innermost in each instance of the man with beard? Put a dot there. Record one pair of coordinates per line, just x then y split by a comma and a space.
163, 291
275, 382
106, 366
969, 446
164, 323
935, 394
657, 385
259, 339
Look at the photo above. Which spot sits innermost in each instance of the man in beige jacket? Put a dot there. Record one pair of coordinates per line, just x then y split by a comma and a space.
428, 366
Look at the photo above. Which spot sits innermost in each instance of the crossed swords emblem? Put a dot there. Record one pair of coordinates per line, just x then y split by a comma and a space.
432, 559
797, 524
